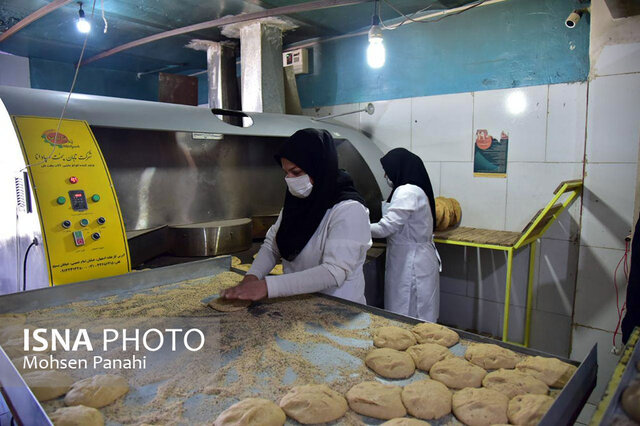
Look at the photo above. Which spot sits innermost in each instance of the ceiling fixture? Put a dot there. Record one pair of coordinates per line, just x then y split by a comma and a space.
375, 52
83, 25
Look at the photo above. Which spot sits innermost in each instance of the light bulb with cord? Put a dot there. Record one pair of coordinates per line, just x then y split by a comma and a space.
376, 54
82, 24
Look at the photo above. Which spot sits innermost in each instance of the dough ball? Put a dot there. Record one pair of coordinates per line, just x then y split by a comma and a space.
427, 399
552, 371
27, 363
12, 319
15, 331
457, 373
14, 348
631, 401
235, 261
77, 416
277, 270
377, 400
48, 384
97, 391
528, 409
427, 354
491, 357
428, 332
390, 363
252, 412
393, 337
480, 407
228, 305
513, 383
312, 404
405, 421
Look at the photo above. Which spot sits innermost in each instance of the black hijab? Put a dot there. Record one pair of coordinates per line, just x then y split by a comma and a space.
314, 151
403, 167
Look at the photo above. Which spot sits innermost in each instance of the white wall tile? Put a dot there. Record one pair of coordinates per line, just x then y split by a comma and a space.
613, 132
567, 226
433, 168
550, 333
390, 124
585, 415
595, 302
351, 120
530, 187
494, 111
557, 268
488, 275
607, 215
618, 59
476, 315
442, 127
454, 277
482, 199
566, 122
583, 340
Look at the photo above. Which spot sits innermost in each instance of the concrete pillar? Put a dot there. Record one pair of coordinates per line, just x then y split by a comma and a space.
261, 59
221, 73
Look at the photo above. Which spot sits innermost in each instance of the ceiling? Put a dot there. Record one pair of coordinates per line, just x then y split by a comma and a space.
55, 37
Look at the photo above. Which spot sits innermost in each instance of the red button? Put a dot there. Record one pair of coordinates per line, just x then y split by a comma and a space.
73, 179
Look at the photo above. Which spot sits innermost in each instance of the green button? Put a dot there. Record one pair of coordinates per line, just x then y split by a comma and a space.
84, 222
95, 198
61, 200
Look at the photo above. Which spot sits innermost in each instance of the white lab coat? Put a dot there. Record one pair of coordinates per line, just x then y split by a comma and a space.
412, 279
330, 263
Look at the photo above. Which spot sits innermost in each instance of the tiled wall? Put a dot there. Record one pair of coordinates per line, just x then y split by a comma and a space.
546, 146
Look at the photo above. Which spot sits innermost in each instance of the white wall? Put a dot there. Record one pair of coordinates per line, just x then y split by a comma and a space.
613, 135
14, 70
546, 146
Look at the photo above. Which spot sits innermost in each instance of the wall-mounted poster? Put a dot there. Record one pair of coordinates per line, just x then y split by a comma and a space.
490, 154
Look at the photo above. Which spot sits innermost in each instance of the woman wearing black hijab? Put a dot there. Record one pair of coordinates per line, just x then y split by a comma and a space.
412, 279
322, 233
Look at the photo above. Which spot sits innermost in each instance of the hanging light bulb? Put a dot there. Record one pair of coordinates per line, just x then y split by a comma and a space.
375, 52
83, 25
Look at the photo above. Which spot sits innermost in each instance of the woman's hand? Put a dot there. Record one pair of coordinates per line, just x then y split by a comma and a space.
248, 289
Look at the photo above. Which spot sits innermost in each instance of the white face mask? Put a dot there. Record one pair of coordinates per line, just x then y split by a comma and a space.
389, 181
300, 186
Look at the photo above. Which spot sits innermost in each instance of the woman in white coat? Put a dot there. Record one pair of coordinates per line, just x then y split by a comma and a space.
412, 279
322, 233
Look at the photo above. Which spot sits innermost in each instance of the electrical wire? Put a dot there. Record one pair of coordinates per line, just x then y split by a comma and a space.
106, 24
64, 108
24, 264
430, 21
625, 269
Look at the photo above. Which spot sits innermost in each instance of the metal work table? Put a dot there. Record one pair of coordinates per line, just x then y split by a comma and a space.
327, 357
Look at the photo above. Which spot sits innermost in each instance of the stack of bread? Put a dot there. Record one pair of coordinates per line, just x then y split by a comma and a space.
448, 213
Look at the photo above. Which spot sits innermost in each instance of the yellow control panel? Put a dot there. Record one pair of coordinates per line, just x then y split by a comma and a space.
82, 227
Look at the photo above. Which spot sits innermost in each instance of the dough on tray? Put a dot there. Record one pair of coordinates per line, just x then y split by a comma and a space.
552, 371
393, 337
427, 354
457, 373
312, 404
428, 332
77, 416
491, 357
228, 305
513, 383
480, 407
631, 401
97, 391
427, 399
390, 363
405, 421
252, 412
48, 384
378, 400
528, 409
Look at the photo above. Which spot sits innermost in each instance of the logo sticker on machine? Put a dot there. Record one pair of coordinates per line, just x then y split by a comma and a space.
61, 140
207, 136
